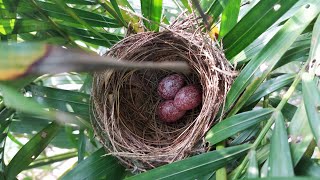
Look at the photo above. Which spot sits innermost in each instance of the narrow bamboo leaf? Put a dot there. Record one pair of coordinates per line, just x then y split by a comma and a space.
311, 98
19, 59
97, 165
214, 8
125, 4
54, 10
31, 150
24, 25
254, 23
81, 145
52, 159
117, 9
90, 37
299, 52
151, 9
307, 167
13, 99
126, 12
236, 123
257, 69
286, 178
315, 42
246, 135
59, 94
270, 86
196, 166
301, 43
63, 100
288, 110
185, 3
264, 169
5, 114
253, 170
300, 134
229, 17
280, 162
81, 2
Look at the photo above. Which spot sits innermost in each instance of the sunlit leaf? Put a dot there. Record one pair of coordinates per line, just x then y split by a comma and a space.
31, 150
235, 124
152, 10
97, 165
258, 69
195, 167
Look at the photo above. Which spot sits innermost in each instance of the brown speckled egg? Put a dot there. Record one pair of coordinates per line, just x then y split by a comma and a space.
188, 97
170, 85
167, 112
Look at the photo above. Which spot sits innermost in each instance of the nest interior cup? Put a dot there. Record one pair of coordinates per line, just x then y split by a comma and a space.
125, 102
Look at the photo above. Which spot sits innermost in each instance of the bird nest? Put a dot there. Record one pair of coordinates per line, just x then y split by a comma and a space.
125, 102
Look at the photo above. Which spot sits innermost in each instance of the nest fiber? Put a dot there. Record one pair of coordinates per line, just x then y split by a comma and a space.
125, 101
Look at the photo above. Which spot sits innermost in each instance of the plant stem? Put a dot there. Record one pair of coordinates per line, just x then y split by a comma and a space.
13, 139
266, 128
53, 159
221, 173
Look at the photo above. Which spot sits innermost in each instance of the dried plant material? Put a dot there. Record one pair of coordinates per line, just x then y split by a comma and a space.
125, 102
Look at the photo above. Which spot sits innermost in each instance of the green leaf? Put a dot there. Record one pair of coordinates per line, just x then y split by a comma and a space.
288, 110
301, 43
151, 9
52, 159
253, 171
271, 86
253, 24
229, 17
246, 135
280, 162
307, 167
311, 98
186, 5
117, 9
81, 145
63, 100
214, 8
97, 165
15, 100
236, 123
31, 150
54, 10
258, 68
315, 41
300, 134
90, 37
196, 166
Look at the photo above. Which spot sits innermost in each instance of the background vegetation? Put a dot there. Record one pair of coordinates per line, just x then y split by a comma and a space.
272, 126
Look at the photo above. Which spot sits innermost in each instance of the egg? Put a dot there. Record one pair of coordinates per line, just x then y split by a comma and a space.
167, 112
188, 97
170, 85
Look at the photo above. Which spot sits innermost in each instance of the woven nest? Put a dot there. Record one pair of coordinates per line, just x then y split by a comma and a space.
125, 101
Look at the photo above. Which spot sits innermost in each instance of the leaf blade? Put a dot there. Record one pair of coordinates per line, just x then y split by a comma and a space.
229, 17
196, 166
280, 166
31, 150
152, 10
253, 24
97, 165
257, 69
235, 124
